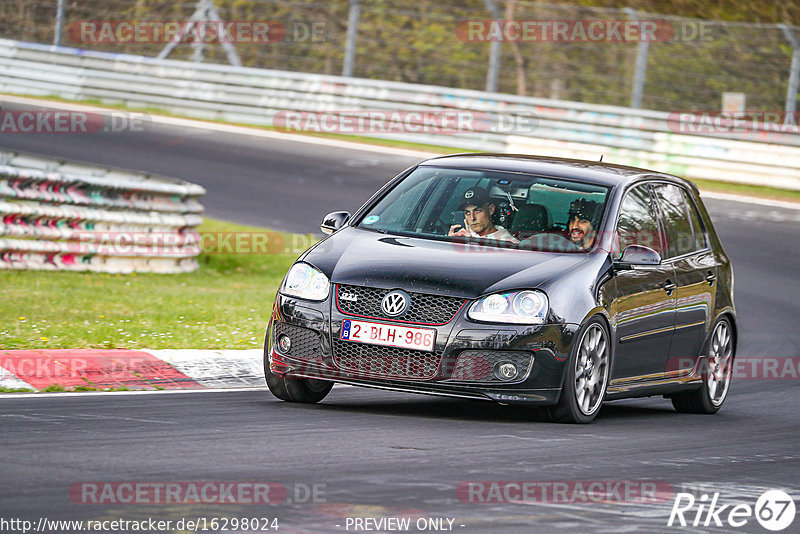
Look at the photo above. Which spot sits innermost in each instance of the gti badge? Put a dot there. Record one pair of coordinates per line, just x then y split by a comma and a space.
395, 303
349, 297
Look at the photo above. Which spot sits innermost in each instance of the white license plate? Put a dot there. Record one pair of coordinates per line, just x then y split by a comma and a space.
405, 337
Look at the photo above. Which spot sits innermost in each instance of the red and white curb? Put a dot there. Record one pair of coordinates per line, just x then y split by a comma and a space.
135, 369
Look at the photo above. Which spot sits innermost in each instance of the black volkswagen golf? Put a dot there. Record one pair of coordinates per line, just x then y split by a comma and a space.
518, 279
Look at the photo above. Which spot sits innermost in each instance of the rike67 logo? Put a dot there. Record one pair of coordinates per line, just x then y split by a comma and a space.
774, 510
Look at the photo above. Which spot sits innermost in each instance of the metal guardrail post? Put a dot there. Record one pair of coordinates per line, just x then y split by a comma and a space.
494, 51
640, 73
59, 23
794, 73
352, 33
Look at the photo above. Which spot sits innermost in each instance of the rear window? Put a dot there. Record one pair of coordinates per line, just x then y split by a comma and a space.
700, 239
679, 225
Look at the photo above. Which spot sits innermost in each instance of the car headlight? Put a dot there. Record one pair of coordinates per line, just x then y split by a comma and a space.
523, 307
305, 282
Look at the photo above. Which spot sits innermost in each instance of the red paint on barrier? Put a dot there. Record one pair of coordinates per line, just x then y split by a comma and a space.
94, 368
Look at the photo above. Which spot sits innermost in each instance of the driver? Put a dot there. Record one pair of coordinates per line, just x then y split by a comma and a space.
478, 210
584, 216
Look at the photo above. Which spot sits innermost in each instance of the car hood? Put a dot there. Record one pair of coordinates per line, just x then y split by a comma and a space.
365, 258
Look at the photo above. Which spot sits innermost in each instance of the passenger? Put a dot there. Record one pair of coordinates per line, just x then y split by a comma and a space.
584, 215
478, 210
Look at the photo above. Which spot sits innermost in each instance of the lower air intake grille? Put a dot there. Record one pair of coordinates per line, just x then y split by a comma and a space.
384, 362
305, 343
477, 365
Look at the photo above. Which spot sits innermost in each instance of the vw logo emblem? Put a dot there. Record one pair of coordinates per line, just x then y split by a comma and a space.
395, 303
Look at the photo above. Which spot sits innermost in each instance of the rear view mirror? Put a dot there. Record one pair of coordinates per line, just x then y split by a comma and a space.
333, 221
638, 256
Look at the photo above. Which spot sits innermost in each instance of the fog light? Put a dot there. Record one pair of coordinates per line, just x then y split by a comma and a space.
506, 371
284, 343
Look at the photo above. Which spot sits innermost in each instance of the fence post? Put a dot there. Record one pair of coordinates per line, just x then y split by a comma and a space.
794, 73
639, 75
205, 11
494, 51
199, 45
59, 23
352, 32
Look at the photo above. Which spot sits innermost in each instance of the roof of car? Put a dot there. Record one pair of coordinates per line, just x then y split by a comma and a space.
595, 172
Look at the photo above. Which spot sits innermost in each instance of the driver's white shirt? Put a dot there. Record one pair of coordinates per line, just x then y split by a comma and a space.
500, 234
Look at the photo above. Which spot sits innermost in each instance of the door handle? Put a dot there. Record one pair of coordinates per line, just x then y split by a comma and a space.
669, 286
710, 277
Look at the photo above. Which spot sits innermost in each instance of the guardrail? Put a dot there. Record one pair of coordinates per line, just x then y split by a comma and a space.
57, 215
761, 154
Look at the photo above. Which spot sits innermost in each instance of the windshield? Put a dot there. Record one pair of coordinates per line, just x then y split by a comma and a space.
509, 210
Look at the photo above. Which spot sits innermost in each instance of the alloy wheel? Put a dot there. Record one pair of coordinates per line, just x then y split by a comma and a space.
718, 375
591, 369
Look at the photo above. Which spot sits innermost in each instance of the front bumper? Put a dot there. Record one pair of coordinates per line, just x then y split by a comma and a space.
461, 364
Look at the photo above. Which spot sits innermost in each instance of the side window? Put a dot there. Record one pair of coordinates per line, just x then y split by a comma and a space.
398, 212
698, 229
637, 220
677, 226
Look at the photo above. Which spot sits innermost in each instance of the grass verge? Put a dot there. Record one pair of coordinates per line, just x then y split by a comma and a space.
225, 304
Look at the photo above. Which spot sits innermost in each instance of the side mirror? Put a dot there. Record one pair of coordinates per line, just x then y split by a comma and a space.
333, 221
638, 256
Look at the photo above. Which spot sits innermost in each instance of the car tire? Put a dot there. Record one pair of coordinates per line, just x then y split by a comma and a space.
717, 373
305, 390
275, 383
580, 401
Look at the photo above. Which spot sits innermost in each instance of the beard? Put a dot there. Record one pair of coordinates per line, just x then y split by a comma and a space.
583, 240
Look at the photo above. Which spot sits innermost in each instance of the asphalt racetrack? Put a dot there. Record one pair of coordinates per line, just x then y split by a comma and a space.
375, 454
